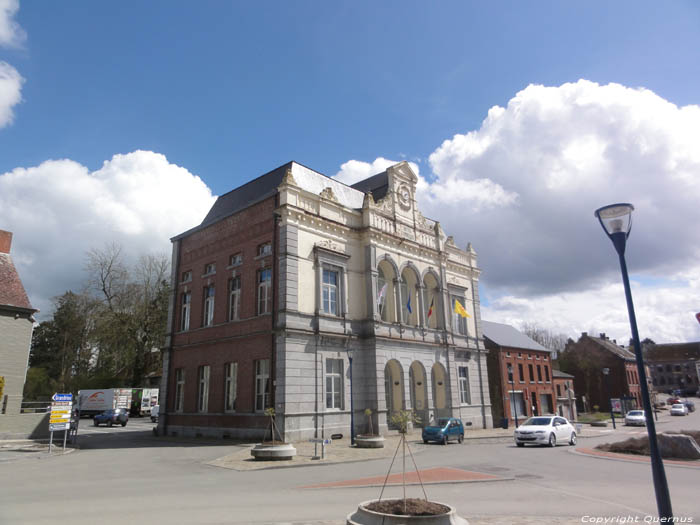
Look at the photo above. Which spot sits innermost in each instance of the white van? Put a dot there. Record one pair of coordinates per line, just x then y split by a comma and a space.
154, 413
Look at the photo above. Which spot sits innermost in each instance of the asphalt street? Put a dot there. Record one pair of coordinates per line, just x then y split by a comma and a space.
126, 474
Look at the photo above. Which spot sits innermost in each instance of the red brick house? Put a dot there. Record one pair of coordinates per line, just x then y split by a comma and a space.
520, 374
586, 358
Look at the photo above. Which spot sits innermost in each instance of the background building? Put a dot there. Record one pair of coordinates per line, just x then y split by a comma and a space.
293, 274
520, 374
674, 367
566, 397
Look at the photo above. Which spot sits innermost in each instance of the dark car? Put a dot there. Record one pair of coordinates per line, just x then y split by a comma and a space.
689, 405
111, 417
446, 429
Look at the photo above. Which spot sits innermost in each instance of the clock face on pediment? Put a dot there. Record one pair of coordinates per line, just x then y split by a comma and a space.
404, 195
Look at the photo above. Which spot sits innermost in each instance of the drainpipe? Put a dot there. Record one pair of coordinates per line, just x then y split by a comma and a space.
275, 291
169, 348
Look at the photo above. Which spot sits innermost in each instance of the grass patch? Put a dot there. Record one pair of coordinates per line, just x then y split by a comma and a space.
593, 416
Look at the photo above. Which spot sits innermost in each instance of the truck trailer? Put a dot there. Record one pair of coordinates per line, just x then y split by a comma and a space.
93, 402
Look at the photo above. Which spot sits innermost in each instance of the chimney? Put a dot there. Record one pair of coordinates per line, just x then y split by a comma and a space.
584, 334
602, 336
5, 241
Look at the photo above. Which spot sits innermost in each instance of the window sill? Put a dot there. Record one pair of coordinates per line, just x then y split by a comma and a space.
208, 274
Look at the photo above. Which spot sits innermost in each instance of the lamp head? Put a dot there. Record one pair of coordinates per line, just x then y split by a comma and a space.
616, 220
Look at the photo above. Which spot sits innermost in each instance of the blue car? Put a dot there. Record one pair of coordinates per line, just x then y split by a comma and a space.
113, 416
447, 429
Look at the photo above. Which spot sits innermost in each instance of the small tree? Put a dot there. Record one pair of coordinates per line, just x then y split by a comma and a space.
368, 413
272, 427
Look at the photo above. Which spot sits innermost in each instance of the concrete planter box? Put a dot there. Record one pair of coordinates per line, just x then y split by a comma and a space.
369, 441
363, 516
273, 452
599, 424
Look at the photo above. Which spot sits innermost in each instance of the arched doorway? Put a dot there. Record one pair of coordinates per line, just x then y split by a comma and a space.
419, 392
438, 379
393, 389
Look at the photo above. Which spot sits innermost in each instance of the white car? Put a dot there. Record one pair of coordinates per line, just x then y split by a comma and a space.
154, 413
679, 409
635, 417
545, 430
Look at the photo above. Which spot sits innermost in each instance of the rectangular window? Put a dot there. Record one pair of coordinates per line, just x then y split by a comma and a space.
262, 384
185, 311
230, 375
558, 390
334, 383
203, 391
209, 269
546, 373
179, 389
459, 323
264, 291
465, 396
539, 373
520, 373
329, 292
235, 260
265, 249
532, 373
186, 276
234, 298
208, 318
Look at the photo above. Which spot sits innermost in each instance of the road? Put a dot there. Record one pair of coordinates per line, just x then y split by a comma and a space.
126, 474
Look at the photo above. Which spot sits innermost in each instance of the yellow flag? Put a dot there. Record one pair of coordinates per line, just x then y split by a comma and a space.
459, 309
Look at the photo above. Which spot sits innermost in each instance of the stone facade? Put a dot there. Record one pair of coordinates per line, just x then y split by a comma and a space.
358, 273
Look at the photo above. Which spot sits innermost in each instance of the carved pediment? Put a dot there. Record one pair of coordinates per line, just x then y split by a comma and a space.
327, 193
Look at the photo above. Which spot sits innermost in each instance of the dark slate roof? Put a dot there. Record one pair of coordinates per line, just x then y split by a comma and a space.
12, 293
673, 352
506, 335
377, 185
619, 351
560, 374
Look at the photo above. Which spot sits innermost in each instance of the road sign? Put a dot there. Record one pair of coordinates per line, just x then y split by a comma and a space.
323, 441
54, 427
62, 397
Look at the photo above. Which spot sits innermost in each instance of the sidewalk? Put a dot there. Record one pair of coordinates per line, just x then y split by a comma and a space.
340, 451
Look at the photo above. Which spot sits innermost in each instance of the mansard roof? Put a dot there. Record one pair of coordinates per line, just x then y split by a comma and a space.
377, 185
506, 336
12, 293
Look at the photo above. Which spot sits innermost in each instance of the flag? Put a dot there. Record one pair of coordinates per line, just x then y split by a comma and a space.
408, 304
459, 309
380, 297
430, 310
697, 316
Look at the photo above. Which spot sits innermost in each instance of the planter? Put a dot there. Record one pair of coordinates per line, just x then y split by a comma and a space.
368, 441
364, 516
599, 424
273, 451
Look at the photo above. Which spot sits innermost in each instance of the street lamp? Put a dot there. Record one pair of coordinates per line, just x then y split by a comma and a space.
616, 220
352, 405
512, 392
606, 373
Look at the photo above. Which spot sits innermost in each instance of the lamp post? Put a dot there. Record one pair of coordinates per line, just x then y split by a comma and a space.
512, 393
606, 374
352, 405
616, 220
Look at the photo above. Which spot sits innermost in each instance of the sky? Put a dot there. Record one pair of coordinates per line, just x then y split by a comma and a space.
122, 122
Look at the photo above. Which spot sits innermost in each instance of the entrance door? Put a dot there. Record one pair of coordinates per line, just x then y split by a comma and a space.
393, 390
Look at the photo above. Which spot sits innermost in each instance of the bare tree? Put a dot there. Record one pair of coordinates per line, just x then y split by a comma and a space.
545, 337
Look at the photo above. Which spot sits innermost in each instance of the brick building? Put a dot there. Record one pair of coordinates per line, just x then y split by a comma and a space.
674, 366
586, 358
294, 273
520, 374
16, 327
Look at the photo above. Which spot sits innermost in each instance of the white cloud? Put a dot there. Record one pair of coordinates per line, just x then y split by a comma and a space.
11, 34
523, 187
59, 210
10, 92
355, 170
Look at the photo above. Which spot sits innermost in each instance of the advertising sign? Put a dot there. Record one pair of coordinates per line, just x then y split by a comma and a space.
616, 405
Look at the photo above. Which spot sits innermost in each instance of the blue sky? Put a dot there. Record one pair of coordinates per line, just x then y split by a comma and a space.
508, 110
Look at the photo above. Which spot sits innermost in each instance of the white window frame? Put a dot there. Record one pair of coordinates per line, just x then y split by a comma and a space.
209, 269
330, 260
330, 292
262, 384
234, 299
265, 249
459, 323
179, 389
209, 299
264, 289
235, 260
333, 374
465, 395
186, 276
186, 308
203, 373
230, 386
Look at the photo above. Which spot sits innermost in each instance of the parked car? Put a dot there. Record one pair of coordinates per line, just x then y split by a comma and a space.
111, 417
445, 430
673, 400
679, 409
545, 430
635, 417
689, 405
154, 413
